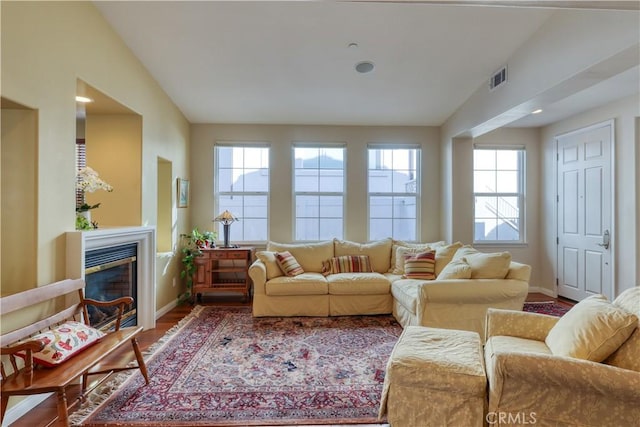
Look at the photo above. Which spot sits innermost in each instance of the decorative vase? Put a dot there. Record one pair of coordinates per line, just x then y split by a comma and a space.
86, 214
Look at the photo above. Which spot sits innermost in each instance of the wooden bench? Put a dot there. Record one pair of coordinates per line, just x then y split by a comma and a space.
30, 379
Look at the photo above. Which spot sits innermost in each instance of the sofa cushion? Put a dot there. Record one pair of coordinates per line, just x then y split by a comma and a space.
302, 284
420, 266
379, 252
64, 341
444, 254
405, 292
628, 355
397, 264
271, 264
458, 269
308, 255
591, 330
358, 284
350, 264
288, 264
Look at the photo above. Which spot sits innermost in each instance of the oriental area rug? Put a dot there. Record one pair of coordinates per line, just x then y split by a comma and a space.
220, 366
547, 307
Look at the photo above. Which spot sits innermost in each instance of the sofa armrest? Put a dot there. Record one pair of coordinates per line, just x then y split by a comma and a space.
519, 324
258, 274
549, 373
519, 271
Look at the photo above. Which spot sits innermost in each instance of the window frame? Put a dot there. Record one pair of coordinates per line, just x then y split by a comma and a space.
217, 194
295, 193
418, 182
520, 194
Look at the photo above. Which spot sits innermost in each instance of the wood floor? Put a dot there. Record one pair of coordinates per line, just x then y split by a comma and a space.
45, 413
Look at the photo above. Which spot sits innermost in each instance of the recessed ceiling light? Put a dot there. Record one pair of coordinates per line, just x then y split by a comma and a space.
538, 111
83, 99
352, 45
364, 67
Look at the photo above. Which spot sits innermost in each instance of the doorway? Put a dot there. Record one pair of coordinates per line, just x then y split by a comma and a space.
584, 219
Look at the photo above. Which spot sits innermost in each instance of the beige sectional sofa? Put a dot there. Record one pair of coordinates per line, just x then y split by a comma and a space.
448, 301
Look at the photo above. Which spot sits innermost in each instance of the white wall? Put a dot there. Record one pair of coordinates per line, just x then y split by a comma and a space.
571, 51
462, 188
280, 139
626, 236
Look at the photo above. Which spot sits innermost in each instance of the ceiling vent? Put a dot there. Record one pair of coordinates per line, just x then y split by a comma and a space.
498, 78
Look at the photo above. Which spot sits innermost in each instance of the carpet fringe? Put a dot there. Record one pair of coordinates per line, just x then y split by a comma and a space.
99, 396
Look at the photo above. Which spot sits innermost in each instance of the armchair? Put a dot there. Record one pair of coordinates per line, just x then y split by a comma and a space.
529, 384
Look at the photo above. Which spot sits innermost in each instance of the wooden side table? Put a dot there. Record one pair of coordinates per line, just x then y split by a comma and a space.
222, 270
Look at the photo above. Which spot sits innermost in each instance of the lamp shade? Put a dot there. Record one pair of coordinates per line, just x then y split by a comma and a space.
225, 217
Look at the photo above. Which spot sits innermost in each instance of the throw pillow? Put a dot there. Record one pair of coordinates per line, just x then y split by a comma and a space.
591, 330
379, 252
288, 264
63, 342
420, 266
270, 262
399, 252
489, 266
626, 357
398, 264
350, 264
444, 254
458, 269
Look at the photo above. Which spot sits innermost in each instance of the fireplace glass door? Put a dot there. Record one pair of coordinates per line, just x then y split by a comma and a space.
111, 273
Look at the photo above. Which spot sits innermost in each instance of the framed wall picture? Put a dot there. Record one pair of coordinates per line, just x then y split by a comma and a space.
183, 193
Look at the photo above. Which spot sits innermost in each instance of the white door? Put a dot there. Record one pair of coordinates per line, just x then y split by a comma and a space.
584, 212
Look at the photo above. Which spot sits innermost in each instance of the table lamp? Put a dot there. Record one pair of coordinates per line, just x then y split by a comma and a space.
226, 218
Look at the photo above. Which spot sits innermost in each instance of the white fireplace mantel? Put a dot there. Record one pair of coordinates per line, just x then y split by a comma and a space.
78, 242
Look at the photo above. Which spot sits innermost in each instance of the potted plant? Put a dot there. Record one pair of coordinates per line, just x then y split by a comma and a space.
191, 248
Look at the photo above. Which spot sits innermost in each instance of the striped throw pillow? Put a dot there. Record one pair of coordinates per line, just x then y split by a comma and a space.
288, 264
420, 266
351, 264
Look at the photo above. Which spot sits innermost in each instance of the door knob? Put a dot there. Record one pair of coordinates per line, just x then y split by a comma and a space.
606, 238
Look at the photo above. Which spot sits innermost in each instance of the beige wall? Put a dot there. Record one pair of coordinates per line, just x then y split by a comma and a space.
280, 139
462, 185
46, 48
19, 199
114, 150
626, 236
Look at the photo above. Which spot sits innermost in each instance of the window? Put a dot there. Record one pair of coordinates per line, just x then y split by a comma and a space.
319, 192
394, 192
498, 186
242, 187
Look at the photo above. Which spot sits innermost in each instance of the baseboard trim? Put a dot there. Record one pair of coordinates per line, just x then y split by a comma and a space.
21, 408
542, 290
167, 308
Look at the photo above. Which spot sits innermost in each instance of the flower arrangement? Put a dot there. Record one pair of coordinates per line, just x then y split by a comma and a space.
88, 181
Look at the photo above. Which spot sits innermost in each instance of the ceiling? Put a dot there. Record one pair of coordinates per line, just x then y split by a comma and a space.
291, 62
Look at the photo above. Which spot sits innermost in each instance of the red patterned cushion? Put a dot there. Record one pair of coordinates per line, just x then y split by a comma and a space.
288, 264
420, 266
351, 264
63, 342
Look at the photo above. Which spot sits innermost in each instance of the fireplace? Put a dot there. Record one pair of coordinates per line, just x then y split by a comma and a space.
111, 273
81, 243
